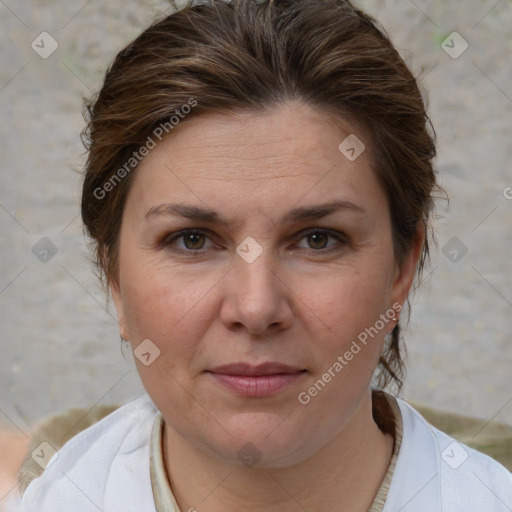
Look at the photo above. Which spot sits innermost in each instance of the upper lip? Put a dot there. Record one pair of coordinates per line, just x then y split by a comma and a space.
261, 369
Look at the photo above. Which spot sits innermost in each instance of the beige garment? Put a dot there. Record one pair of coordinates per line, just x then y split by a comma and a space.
164, 498
380, 498
162, 494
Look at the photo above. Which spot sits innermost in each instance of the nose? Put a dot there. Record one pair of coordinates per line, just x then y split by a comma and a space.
256, 296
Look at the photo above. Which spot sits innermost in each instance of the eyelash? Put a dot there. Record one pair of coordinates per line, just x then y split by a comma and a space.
169, 239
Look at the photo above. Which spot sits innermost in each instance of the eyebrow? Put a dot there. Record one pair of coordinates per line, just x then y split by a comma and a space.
296, 215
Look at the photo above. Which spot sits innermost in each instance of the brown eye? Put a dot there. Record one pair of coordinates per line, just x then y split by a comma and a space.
318, 240
186, 241
193, 241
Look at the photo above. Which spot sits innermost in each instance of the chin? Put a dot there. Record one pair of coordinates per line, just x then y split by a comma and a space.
264, 441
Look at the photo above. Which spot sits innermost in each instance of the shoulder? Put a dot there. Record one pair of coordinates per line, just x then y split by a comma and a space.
436, 472
92, 467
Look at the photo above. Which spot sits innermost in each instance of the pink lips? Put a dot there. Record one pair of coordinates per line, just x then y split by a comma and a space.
256, 381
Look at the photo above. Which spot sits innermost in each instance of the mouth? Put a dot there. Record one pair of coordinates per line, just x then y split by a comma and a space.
256, 381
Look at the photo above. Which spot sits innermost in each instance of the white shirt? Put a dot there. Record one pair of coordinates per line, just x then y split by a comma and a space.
107, 468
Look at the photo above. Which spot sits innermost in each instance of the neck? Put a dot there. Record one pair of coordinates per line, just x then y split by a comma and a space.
344, 475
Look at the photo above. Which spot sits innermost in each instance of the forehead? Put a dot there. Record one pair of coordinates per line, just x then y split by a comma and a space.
290, 152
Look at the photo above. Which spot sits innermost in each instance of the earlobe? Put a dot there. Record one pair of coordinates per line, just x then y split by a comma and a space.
118, 303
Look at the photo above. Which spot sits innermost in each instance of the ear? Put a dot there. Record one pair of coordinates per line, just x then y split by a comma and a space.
404, 276
115, 291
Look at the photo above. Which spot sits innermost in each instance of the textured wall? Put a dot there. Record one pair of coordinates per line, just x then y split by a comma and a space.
59, 344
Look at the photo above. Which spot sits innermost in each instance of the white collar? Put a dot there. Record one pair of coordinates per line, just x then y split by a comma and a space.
415, 483
434, 472
103, 468
107, 467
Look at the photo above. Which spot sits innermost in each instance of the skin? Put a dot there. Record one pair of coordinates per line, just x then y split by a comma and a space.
298, 303
13, 447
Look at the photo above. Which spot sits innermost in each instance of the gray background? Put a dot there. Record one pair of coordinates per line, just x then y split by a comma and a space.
59, 343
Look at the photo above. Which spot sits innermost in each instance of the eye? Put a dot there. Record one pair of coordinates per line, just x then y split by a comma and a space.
196, 241
193, 241
318, 239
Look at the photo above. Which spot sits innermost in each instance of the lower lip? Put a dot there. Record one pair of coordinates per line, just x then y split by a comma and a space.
257, 386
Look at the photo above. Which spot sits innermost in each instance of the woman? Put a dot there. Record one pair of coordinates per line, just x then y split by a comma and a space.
259, 189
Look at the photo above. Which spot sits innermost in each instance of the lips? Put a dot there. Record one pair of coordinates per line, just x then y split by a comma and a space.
256, 381
259, 370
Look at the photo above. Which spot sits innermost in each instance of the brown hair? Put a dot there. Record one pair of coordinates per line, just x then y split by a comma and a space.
248, 55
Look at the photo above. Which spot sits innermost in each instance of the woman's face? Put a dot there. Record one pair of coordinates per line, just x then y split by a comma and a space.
265, 323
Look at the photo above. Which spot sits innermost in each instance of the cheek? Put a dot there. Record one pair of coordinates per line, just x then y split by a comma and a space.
156, 302
352, 310
173, 310
165, 313
145, 306
347, 302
